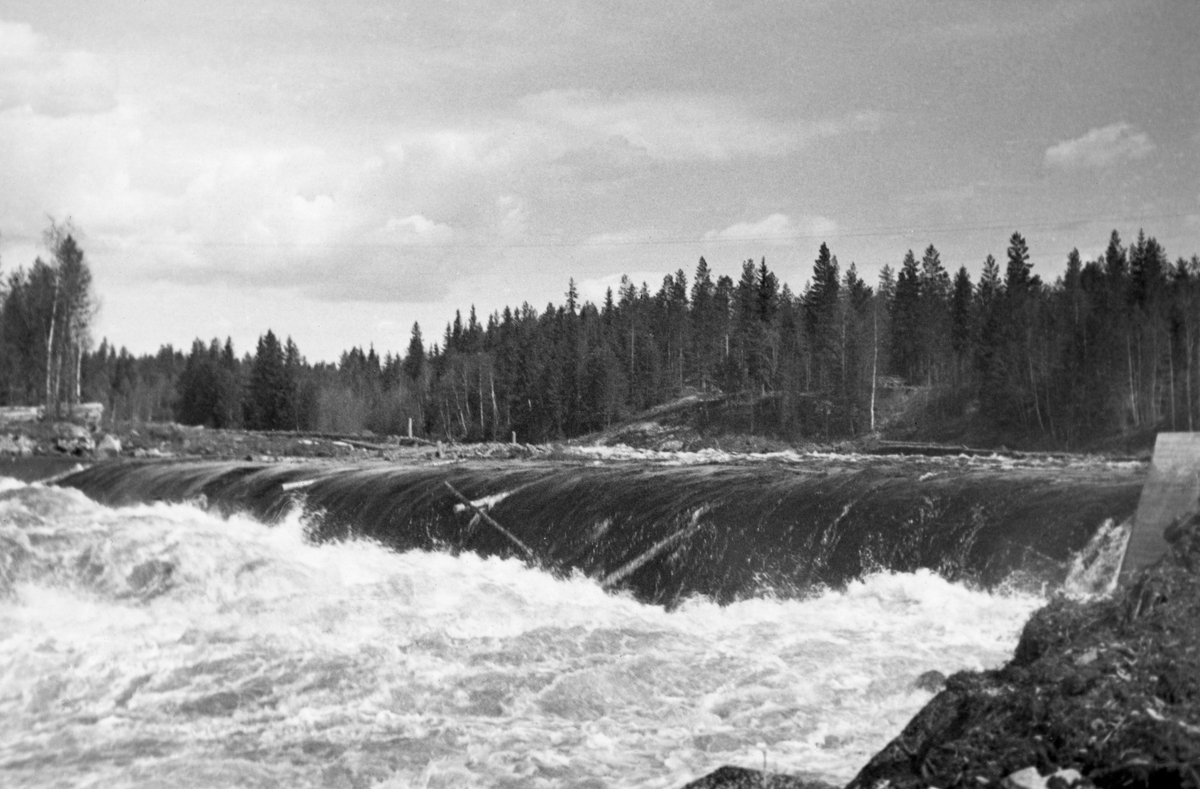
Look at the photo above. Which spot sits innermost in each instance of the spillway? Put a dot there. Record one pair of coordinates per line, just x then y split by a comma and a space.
721, 531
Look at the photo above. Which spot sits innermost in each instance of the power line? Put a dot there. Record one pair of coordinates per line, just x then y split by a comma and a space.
878, 232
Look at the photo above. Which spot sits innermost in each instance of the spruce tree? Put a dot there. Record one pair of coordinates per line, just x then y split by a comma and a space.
906, 319
821, 321
267, 393
961, 330
414, 358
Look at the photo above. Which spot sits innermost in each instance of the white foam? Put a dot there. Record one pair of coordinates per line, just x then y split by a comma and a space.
259, 654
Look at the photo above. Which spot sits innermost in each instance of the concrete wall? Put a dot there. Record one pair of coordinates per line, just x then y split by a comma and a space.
1171, 492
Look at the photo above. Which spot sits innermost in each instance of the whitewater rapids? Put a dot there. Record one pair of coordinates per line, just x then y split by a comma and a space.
166, 646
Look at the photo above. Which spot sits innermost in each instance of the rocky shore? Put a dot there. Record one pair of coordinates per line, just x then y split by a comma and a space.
1098, 694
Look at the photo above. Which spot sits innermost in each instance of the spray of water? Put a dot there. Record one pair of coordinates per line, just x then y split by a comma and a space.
161, 645
1093, 571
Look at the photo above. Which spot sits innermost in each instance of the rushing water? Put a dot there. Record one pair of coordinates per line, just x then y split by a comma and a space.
161, 645
724, 531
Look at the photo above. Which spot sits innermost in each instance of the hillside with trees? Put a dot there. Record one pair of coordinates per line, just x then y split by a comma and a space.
1111, 347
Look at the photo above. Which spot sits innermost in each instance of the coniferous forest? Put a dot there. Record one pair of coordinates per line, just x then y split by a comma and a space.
1109, 347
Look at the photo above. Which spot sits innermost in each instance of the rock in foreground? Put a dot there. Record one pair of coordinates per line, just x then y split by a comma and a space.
742, 778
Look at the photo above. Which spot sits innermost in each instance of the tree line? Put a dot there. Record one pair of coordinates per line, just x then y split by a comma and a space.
1112, 345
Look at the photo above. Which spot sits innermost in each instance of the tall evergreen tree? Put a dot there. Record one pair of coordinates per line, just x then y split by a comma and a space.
962, 332
268, 392
823, 324
414, 358
906, 319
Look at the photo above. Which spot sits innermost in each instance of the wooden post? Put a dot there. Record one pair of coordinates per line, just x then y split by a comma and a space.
410, 427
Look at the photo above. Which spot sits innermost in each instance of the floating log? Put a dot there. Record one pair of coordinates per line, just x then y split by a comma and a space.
629, 567
490, 521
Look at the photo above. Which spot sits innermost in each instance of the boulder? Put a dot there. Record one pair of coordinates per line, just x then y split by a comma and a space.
932, 681
25, 445
70, 430
90, 414
73, 439
108, 446
8, 446
729, 777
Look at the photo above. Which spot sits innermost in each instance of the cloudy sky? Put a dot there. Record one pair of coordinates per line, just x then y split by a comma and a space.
338, 170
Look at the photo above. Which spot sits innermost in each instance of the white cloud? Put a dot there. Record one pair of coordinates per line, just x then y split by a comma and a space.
49, 81
595, 289
1100, 147
777, 229
175, 190
679, 126
416, 230
17, 41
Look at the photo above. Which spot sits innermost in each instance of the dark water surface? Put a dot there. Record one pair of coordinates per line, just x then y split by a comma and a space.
742, 529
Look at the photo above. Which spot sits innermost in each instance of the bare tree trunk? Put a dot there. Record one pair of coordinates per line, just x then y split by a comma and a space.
479, 381
49, 402
874, 362
1188, 379
1154, 404
495, 407
1037, 410
77, 396
1132, 390
1171, 380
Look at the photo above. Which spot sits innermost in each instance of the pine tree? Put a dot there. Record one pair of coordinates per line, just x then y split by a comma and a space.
706, 339
934, 333
268, 390
822, 323
293, 365
961, 329
1017, 275
414, 358
906, 319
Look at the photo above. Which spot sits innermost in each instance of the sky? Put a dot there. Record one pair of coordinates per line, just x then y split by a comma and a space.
336, 171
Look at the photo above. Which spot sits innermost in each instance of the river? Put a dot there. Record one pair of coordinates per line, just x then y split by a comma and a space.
166, 644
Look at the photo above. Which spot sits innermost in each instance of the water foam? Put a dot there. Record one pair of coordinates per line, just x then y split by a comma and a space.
162, 644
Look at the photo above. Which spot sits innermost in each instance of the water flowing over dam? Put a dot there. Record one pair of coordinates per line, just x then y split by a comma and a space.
198, 624
725, 532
